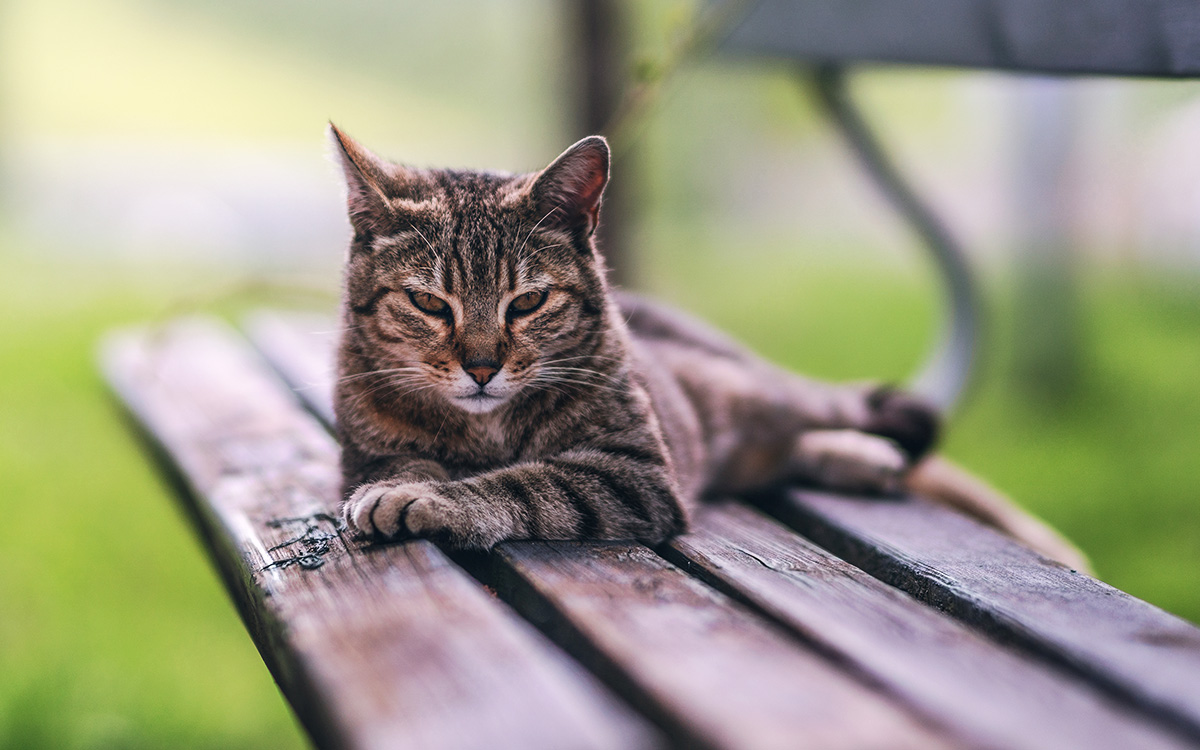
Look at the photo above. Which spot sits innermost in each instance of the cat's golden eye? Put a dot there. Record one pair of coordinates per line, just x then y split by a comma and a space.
526, 303
428, 303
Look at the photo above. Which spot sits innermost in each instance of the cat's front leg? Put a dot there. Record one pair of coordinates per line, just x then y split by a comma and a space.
447, 511
378, 489
389, 510
625, 492
378, 510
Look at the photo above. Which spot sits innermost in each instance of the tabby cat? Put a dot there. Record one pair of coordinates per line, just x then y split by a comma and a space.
492, 386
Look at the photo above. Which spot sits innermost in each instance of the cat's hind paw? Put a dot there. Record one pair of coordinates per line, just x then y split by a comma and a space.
391, 511
851, 461
904, 418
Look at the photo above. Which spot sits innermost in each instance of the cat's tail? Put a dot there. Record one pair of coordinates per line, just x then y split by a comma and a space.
944, 483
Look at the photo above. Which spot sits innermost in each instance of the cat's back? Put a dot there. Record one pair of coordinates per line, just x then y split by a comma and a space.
657, 324
680, 360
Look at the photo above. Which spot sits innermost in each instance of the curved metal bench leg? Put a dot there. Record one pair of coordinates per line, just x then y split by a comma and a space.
948, 372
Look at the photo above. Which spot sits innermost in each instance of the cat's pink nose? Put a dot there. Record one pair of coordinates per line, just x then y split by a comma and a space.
482, 371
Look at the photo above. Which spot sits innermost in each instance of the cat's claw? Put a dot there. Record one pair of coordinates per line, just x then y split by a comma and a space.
388, 511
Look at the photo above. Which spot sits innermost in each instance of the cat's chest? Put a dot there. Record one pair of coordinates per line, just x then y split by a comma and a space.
487, 445
479, 446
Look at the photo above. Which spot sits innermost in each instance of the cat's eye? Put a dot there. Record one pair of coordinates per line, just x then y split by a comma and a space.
428, 303
526, 303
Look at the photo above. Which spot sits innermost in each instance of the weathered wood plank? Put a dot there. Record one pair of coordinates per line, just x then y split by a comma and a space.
378, 647
1126, 646
300, 346
709, 671
987, 694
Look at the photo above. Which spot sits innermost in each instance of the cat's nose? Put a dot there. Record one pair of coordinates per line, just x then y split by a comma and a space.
482, 370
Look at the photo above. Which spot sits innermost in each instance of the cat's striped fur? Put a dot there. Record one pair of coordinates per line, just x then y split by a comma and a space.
491, 386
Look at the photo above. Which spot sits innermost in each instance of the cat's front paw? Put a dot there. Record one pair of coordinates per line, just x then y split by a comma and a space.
393, 511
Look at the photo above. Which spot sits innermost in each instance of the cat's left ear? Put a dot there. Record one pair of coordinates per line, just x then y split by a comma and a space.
567, 193
366, 177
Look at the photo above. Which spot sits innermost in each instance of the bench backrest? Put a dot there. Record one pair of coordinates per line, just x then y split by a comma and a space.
1098, 37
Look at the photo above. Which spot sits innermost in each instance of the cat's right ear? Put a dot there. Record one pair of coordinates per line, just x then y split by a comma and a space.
366, 175
567, 192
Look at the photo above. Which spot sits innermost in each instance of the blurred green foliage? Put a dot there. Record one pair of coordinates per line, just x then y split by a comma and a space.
114, 631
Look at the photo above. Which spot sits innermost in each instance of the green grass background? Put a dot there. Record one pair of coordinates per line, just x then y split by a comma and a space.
114, 631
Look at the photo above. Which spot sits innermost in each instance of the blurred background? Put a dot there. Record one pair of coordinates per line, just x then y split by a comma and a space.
159, 157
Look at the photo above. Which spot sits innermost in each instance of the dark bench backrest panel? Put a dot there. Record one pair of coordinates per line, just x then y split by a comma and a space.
1110, 37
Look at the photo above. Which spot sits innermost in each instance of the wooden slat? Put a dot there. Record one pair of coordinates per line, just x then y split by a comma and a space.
1126, 646
379, 647
300, 346
985, 693
708, 670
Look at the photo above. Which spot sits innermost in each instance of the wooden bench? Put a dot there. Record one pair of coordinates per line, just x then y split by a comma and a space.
815, 621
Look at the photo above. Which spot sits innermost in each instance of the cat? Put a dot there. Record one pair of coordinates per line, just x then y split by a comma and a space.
491, 386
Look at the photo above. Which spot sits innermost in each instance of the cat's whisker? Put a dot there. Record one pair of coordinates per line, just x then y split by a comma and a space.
556, 378
555, 366
339, 329
581, 372
524, 258
588, 383
534, 385
394, 385
521, 249
389, 377
437, 269
373, 373
579, 357
558, 364
426, 240
401, 368
581, 381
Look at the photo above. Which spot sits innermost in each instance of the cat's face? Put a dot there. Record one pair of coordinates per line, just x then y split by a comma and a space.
471, 288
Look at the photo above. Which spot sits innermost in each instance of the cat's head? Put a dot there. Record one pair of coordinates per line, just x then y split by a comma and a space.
472, 287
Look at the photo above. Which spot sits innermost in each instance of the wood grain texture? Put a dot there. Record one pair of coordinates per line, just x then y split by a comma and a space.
377, 647
707, 670
301, 347
988, 695
1122, 644
710, 671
